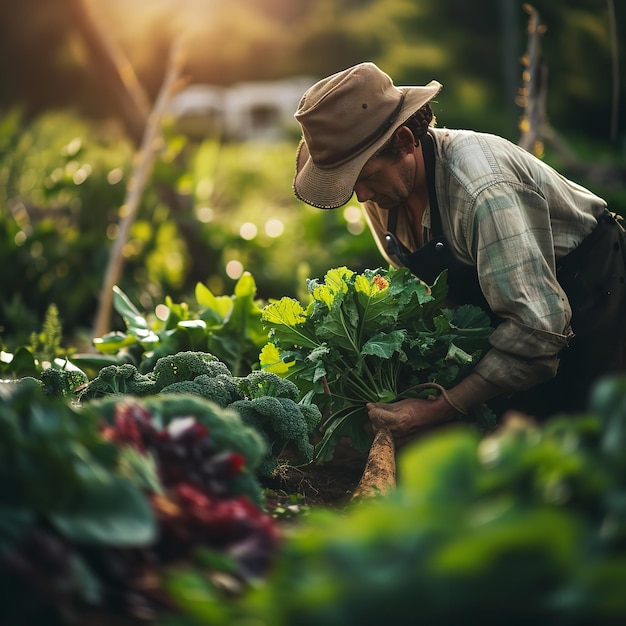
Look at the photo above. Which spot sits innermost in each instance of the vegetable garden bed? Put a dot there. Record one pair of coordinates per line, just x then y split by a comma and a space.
166, 490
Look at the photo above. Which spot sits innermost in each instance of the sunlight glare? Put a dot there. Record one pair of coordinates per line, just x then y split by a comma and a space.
248, 231
234, 269
162, 312
82, 174
205, 214
115, 176
354, 218
355, 228
274, 228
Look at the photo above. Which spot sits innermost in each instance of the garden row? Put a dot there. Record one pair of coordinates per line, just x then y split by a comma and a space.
133, 479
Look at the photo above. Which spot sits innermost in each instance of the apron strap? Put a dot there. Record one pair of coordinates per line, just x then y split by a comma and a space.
428, 150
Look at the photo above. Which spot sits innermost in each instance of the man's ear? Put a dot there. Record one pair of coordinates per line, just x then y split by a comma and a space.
406, 138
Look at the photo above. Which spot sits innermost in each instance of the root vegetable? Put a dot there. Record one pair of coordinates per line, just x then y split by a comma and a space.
379, 475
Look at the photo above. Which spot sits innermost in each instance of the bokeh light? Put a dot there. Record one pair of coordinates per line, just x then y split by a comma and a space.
274, 227
234, 269
162, 312
248, 231
205, 214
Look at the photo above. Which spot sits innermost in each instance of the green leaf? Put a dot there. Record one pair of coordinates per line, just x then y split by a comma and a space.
144, 336
197, 333
220, 306
384, 345
194, 594
336, 330
471, 317
349, 425
242, 332
271, 361
324, 449
379, 307
113, 342
441, 324
286, 311
177, 312
334, 286
132, 317
287, 317
109, 512
244, 321
23, 363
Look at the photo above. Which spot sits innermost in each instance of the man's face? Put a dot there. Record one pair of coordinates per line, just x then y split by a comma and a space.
386, 181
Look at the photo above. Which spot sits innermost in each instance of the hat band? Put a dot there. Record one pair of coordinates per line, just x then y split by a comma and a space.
345, 156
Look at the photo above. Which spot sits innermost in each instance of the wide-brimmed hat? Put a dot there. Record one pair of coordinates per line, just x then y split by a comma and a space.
345, 119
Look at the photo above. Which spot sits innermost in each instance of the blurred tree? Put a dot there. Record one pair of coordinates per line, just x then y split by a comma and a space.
65, 61
115, 72
474, 49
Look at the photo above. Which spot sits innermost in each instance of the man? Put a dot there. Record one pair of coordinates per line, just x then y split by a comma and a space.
541, 254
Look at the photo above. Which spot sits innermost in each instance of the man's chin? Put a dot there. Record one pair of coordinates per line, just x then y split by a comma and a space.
385, 204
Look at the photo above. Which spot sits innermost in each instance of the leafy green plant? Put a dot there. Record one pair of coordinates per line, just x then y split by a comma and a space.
97, 500
53, 462
526, 525
226, 427
43, 349
373, 336
273, 406
227, 326
59, 486
45, 360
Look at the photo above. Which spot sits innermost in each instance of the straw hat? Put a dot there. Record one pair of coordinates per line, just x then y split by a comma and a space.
345, 119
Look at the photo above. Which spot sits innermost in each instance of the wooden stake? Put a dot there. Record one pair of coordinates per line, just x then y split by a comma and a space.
144, 161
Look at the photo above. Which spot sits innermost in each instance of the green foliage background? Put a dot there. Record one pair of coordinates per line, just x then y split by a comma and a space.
65, 164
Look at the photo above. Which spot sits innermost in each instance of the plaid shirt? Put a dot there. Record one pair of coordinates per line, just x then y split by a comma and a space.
513, 217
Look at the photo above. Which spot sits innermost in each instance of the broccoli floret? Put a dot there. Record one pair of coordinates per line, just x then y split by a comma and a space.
181, 366
62, 383
261, 383
311, 414
220, 389
283, 421
119, 379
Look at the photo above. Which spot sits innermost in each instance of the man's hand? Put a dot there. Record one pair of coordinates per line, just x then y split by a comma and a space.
409, 418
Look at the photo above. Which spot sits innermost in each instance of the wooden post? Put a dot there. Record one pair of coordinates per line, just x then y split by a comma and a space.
144, 161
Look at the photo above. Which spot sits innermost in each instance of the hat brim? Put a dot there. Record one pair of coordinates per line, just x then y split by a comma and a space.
330, 188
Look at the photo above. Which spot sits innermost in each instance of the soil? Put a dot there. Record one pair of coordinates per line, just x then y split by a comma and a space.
326, 485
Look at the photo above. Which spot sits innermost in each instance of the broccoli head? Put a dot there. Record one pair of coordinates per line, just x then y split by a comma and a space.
260, 383
220, 389
119, 379
61, 383
186, 366
283, 422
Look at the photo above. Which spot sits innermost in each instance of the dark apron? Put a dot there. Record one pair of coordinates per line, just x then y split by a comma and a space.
594, 278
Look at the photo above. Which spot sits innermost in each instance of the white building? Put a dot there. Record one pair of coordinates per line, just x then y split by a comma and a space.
246, 111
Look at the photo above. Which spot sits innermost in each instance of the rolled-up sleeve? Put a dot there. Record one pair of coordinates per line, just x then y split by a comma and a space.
521, 357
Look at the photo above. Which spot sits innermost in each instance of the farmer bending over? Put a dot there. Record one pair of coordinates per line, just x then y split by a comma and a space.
541, 254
